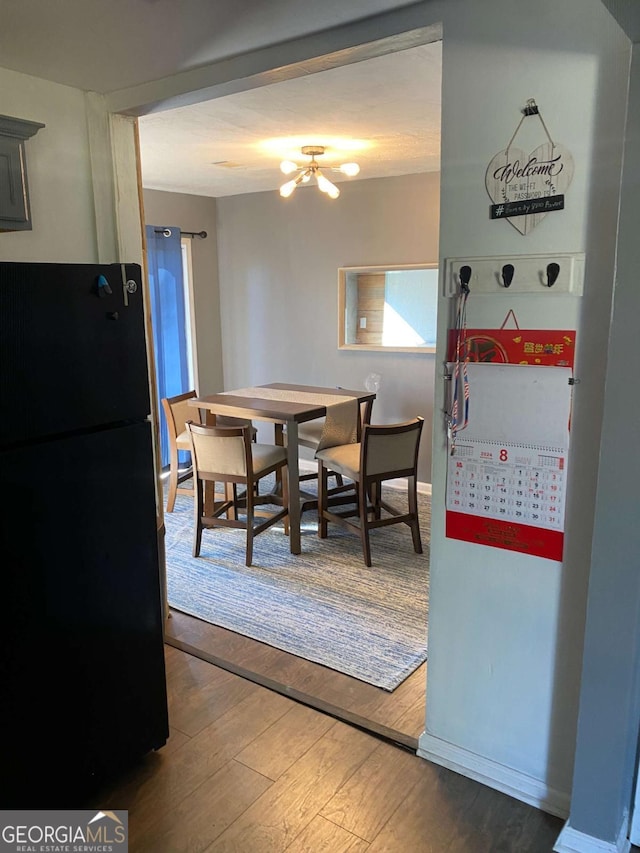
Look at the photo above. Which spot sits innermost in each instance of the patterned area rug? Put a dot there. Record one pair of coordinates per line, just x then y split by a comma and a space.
323, 605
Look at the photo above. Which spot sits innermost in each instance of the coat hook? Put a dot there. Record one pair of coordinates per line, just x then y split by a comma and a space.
553, 271
507, 274
465, 278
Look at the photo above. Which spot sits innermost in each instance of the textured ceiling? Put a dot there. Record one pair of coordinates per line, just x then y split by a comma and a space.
384, 113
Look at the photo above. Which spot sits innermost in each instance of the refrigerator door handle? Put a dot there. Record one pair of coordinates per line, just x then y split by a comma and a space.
128, 285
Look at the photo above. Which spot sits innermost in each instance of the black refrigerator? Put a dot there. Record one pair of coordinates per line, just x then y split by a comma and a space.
82, 677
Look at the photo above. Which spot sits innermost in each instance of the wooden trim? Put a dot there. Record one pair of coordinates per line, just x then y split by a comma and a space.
101, 157
525, 788
127, 189
375, 35
139, 228
151, 356
343, 714
572, 840
19, 128
375, 348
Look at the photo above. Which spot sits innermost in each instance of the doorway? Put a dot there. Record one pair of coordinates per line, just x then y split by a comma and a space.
255, 661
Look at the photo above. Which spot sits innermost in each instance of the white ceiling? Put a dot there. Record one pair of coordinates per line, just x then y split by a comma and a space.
384, 113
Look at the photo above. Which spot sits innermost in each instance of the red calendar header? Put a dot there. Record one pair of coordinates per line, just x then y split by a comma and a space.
543, 347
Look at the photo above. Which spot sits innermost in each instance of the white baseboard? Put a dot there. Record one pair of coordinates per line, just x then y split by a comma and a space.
518, 785
308, 465
571, 840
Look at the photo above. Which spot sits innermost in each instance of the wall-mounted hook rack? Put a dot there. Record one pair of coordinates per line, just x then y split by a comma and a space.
553, 273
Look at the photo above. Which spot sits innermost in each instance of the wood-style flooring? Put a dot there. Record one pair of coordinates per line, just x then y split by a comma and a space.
399, 715
249, 770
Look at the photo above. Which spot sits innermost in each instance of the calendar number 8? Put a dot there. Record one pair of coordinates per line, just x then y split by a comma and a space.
504, 455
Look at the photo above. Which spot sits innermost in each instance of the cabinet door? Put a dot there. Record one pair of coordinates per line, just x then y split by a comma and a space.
14, 207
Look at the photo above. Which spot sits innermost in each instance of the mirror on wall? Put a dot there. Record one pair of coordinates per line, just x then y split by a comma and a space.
388, 307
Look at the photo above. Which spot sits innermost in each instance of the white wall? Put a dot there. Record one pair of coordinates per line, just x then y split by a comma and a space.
506, 630
610, 693
58, 169
196, 213
279, 261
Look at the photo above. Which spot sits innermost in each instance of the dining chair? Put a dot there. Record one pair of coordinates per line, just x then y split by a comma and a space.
177, 412
309, 435
228, 455
385, 452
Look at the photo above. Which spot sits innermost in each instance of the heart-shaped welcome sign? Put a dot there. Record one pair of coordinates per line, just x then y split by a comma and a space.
525, 187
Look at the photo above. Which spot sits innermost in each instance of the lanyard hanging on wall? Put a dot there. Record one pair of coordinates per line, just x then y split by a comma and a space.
459, 417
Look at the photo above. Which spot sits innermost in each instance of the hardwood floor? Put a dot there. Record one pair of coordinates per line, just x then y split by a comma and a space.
250, 770
399, 715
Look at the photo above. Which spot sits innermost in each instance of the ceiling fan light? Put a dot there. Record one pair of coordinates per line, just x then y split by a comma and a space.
323, 183
350, 169
288, 166
288, 188
305, 173
325, 186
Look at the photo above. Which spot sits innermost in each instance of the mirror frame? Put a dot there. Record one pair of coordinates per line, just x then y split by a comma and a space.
343, 273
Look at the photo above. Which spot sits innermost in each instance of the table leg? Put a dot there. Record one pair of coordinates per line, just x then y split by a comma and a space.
281, 489
294, 487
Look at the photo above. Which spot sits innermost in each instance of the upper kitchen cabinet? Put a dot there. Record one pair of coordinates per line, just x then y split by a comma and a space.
15, 214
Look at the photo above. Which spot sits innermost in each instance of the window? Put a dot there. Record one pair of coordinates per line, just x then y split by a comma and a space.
187, 276
388, 307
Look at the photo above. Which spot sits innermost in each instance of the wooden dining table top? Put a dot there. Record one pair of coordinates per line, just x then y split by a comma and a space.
278, 410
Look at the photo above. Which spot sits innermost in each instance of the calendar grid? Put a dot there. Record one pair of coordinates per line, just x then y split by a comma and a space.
509, 482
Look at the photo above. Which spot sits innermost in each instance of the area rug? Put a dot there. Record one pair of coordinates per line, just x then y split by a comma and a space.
324, 604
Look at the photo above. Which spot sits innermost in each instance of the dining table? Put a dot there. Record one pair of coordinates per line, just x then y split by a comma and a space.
285, 405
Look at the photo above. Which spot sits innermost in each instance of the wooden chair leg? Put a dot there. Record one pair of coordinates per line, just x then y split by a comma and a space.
373, 495
209, 496
413, 509
322, 500
231, 494
198, 507
364, 524
250, 493
285, 497
173, 478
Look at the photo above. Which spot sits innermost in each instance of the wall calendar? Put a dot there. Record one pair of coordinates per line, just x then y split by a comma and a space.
506, 478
